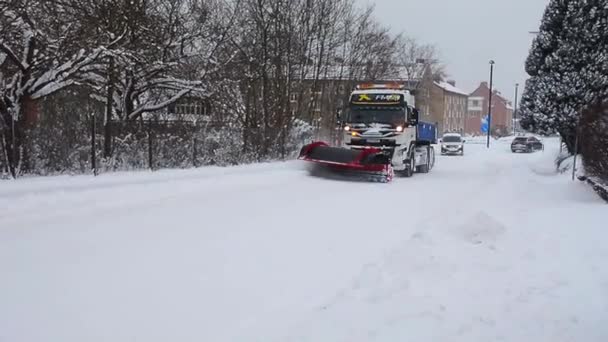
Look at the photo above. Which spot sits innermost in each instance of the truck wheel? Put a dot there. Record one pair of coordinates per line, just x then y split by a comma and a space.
427, 166
409, 171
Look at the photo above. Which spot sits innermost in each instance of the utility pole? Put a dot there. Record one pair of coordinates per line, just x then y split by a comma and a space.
515, 108
490, 102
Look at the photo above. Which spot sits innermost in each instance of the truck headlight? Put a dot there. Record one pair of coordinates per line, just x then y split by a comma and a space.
399, 128
347, 128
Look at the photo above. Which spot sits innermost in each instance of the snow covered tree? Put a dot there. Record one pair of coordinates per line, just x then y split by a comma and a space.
40, 57
267, 73
567, 65
169, 52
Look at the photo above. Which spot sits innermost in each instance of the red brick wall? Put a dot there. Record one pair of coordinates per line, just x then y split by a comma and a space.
502, 115
472, 124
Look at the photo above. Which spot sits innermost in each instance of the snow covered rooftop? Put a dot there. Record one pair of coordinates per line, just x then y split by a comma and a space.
339, 72
450, 88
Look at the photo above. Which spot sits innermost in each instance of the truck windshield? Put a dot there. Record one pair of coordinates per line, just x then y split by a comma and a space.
391, 116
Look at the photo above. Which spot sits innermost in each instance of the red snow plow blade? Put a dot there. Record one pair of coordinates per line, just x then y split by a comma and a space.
366, 162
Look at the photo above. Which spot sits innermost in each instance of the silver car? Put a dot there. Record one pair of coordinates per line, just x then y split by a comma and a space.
452, 143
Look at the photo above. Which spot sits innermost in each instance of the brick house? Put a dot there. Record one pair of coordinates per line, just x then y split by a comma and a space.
448, 107
502, 112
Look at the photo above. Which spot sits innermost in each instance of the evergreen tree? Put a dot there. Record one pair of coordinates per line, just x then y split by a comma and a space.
568, 65
546, 42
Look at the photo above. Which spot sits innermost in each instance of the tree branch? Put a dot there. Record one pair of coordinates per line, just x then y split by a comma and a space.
11, 55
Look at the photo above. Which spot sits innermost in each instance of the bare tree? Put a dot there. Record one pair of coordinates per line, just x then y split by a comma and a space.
170, 51
419, 60
268, 67
37, 41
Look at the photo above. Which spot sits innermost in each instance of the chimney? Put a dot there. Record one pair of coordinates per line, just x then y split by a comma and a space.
485, 84
452, 83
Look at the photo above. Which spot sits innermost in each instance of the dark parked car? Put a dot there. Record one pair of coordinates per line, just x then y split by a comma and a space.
526, 144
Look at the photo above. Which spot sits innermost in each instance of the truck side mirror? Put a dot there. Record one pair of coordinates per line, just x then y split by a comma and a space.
415, 116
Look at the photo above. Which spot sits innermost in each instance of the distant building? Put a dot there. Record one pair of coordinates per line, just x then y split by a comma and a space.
448, 107
188, 109
502, 112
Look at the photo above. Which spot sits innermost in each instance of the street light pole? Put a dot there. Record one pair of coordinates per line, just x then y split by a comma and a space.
515, 108
490, 103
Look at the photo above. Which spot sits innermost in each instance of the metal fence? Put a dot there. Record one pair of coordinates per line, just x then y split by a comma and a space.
80, 148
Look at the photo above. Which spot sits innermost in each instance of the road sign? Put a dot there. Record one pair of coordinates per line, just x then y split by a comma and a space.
484, 124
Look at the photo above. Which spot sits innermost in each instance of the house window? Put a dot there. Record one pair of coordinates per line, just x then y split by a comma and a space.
190, 108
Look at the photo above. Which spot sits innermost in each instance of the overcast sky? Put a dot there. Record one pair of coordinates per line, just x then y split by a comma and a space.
469, 33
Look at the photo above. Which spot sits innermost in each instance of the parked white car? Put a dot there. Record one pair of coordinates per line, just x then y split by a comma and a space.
452, 143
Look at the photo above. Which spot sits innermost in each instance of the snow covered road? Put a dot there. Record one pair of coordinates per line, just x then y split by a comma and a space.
491, 246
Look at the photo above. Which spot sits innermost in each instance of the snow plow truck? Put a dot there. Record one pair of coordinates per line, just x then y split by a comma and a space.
382, 136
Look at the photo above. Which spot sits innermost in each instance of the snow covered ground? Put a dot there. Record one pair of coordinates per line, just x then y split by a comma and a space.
492, 246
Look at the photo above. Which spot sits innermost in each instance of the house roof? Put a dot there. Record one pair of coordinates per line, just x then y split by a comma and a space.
504, 100
357, 72
450, 88
497, 95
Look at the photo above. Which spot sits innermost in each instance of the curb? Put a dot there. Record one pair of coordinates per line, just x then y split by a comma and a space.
599, 188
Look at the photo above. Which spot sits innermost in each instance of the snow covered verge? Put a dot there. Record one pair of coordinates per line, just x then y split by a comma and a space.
565, 163
598, 186
489, 246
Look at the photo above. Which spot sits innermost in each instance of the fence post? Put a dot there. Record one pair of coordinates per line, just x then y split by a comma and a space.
194, 155
93, 145
150, 157
13, 167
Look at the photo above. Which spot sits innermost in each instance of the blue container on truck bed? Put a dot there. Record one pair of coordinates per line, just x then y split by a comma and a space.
426, 132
